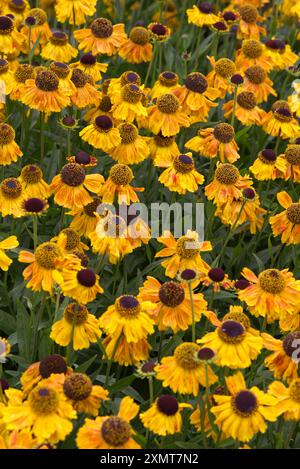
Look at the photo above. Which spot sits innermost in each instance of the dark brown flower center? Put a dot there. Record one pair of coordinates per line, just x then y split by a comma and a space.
6, 25
139, 35
60, 69
168, 79
75, 313
121, 175
31, 174
24, 72
59, 38
131, 93
216, 274
272, 281
244, 403
196, 82
162, 141
183, 164
171, 294
248, 13
47, 80
231, 332
11, 188
256, 74
102, 28
128, 133
225, 67
247, 100
91, 208
77, 386
168, 405
293, 213
72, 174
252, 48
292, 154
116, 431
291, 343
168, 104
86, 278
227, 174
46, 255
79, 78
224, 132
103, 123
7, 134
52, 364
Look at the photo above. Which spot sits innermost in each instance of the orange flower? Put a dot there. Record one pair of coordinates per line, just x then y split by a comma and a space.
258, 82
137, 48
101, 38
166, 116
281, 360
118, 184
246, 111
287, 223
248, 29
218, 78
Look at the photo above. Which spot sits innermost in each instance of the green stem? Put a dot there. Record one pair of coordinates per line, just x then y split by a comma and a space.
36, 326
234, 105
193, 313
42, 136
69, 146
110, 361
35, 231
151, 63
160, 345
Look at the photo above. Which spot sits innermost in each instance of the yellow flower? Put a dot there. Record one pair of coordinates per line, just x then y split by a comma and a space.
246, 111
287, 223
74, 11
217, 141
185, 253
273, 294
58, 48
22, 73
181, 176
130, 317
133, 147
257, 81
118, 184
84, 395
31, 178
281, 54
202, 15
173, 307
268, 166
284, 359
126, 353
70, 186
166, 116
162, 150
84, 219
219, 77
280, 121
8, 243
251, 53
110, 432
101, 38
6, 75
137, 48
44, 266
45, 93
46, 411
39, 30
10, 38
288, 398
77, 326
233, 344
11, 197
244, 413
184, 372
101, 134
248, 29
85, 92
80, 283
166, 83
88, 64
292, 157
164, 416
196, 97
127, 104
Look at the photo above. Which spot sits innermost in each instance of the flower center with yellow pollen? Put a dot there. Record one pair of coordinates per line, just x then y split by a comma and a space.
7, 134
196, 82
183, 164
168, 79
46, 255
186, 355
24, 72
130, 78
227, 174
47, 81
248, 13
252, 48
17, 6
224, 132
43, 400
72, 175
162, 141
225, 68
171, 294
6, 25
103, 123
121, 175
59, 38
128, 306
73, 239
290, 343
267, 156
247, 100
128, 133
52, 364
295, 390
91, 208
256, 74
293, 213
244, 403
102, 28
60, 69
31, 174
105, 104
116, 431
168, 104
4, 66
79, 78
77, 386
231, 332
131, 94
272, 281
280, 104
187, 248
139, 35
75, 313
11, 188
292, 154
39, 15
238, 317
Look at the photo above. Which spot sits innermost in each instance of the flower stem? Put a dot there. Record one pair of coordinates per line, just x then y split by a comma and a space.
193, 313
42, 136
151, 63
35, 232
110, 361
234, 105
